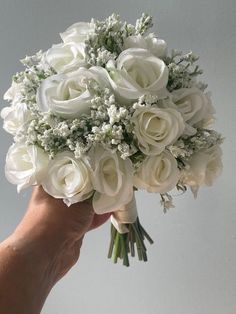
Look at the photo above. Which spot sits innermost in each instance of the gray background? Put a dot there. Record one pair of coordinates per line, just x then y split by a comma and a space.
191, 267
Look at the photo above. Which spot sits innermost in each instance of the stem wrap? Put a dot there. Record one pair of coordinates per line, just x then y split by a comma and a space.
124, 215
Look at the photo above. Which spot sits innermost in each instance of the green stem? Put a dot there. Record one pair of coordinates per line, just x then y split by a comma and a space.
113, 234
139, 236
123, 245
144, 232
131, 241
116, 247
124, 250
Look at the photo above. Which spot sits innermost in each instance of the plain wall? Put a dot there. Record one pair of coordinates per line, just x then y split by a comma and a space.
191, 266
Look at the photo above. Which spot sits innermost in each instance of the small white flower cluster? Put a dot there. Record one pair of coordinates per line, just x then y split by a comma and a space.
109, 110
107, 39
28, 81
184, 148
182, 70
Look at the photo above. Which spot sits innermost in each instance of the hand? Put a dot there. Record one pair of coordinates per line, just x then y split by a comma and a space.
59, 227
44, 246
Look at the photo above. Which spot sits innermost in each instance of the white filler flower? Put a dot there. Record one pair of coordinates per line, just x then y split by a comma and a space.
25, 165
155, 128
68, 178
138, 72
112, 179
67, 95
158, 174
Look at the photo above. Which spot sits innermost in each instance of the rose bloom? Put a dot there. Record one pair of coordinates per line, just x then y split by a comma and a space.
155, 128
66, 57
78, 32
112, 179
156, 46
13, 94
67, 95
15, 117
25, 165
204, 167
137, 72
157, 174
195, 106
68, 178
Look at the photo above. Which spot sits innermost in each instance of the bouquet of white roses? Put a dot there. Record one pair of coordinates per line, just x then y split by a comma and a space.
106, 112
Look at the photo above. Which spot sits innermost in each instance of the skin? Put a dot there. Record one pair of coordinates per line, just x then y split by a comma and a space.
42, 249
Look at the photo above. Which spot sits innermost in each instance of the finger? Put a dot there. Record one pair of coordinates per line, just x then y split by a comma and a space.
39, 195
98, 220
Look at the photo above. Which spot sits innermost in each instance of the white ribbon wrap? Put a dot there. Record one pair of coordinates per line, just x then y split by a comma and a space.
124, 215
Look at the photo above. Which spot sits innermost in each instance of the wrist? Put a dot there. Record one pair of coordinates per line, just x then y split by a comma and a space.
25, 277
50, 234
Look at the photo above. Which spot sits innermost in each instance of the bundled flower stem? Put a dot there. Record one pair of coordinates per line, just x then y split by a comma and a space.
123, 244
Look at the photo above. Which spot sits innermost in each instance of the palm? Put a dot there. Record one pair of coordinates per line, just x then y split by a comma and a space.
67, 223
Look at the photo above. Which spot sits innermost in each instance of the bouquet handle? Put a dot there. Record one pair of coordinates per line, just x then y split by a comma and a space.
127, 235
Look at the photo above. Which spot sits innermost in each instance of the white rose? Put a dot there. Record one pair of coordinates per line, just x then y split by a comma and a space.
14, 94
204, 167
137, 72
66, 57
158, 174
25, 165
156, 46
68, 178
195, 106
15, 117
78, 32
67, 95
155, 128
112, 179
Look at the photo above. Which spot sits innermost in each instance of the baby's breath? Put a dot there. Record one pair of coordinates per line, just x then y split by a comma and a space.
106, 42
182, 69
